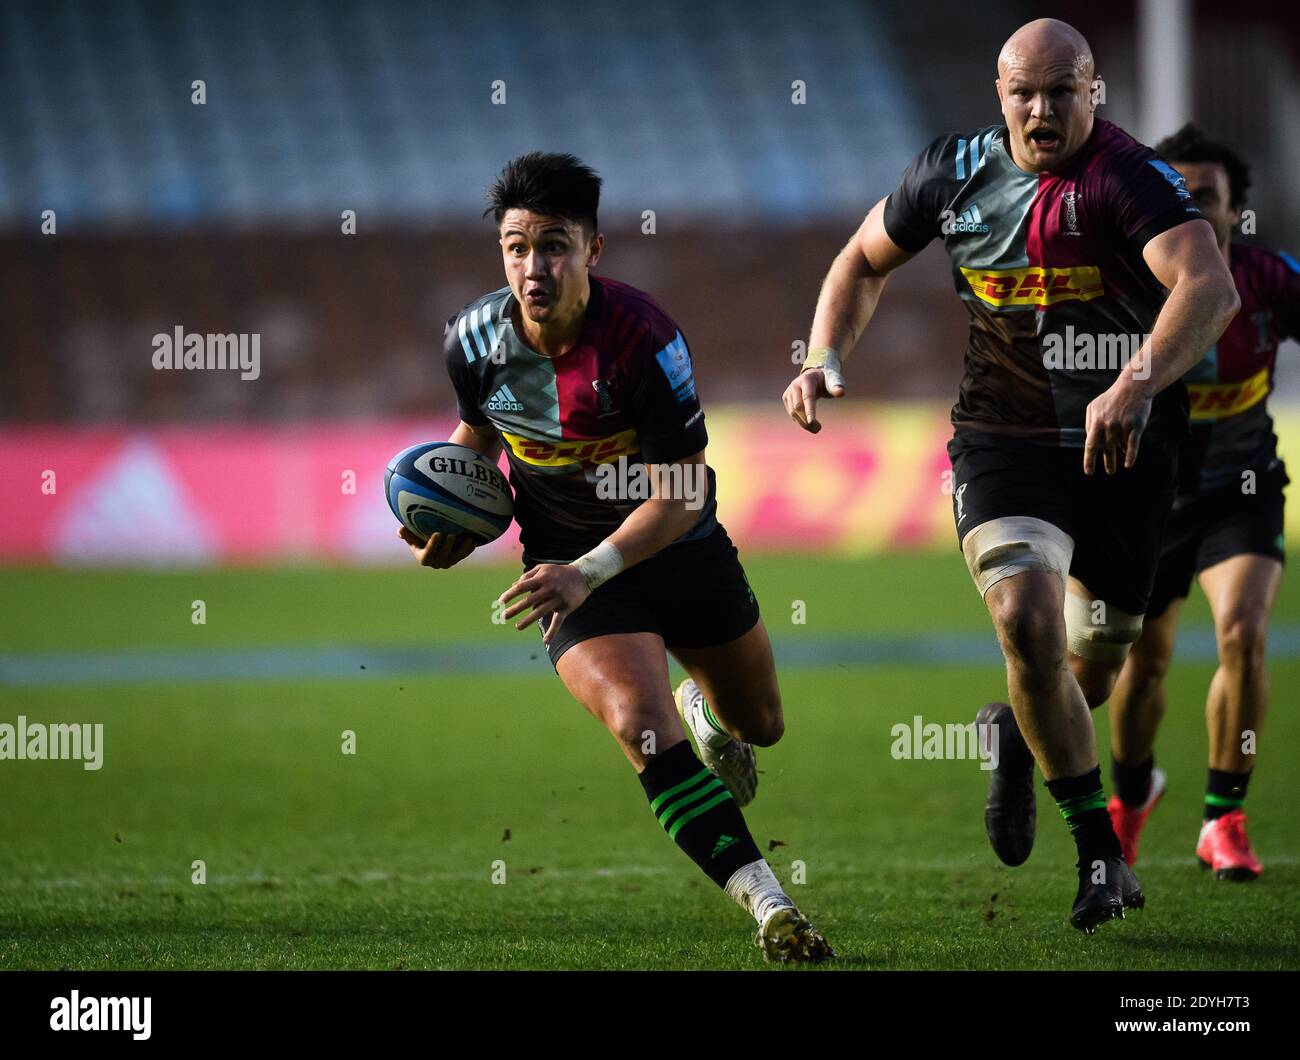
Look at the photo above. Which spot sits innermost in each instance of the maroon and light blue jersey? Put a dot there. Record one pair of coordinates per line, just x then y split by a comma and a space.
624, 392
1050, 267
1232, 431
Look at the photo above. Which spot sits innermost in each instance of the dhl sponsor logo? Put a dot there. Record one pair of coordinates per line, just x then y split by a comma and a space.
573, 451
1214, 401
1035, 286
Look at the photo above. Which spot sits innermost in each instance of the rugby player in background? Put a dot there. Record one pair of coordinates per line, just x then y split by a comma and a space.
1225, 530
573, 374
1063, 230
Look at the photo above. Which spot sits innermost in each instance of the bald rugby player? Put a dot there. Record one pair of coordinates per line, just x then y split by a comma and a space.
1093, 284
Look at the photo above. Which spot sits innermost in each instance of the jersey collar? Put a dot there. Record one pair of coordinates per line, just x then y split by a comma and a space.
593, 319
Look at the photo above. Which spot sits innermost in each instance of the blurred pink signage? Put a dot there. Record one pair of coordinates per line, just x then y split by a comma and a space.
873, 479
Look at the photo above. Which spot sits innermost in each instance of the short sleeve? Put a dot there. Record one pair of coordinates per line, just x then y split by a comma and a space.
462, 379
668, 417
913, 209
1146, 196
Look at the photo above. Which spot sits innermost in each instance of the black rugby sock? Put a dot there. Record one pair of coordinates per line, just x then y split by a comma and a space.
698, 812
1083, 805
1132, 783
1224, 792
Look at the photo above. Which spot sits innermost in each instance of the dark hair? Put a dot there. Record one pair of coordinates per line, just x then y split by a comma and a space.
1189, 144
547, 183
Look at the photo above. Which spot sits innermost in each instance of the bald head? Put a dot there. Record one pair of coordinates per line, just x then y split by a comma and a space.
1046, 41
1045, 76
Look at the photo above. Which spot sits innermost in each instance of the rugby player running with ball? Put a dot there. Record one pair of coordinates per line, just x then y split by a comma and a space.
572, 373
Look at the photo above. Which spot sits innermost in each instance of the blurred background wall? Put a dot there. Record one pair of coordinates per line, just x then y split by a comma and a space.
128, 209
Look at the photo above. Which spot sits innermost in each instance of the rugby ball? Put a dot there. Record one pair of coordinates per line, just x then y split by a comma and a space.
441, 488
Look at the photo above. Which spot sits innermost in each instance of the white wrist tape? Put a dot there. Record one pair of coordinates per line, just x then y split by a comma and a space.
599, 565
828, 361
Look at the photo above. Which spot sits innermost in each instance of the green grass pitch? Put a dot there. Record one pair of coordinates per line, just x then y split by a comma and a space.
385, 858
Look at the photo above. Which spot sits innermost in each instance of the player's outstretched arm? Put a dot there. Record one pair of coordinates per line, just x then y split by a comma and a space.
1202, 301
446, 550
677, 492
844, 308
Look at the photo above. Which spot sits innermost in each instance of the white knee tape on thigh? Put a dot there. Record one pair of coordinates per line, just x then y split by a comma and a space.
1096, 630
999, 548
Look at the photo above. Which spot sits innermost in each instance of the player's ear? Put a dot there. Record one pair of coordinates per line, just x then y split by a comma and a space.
594, 248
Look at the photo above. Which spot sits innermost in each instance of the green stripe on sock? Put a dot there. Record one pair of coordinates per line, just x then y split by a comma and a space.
1082, 804
664, 796
691, 796
1222, 800
685, 818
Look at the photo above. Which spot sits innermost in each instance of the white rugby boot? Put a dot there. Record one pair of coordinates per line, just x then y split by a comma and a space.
787, 936
730, 760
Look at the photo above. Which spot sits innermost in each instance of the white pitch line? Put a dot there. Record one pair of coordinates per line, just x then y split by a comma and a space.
370, 876
323, 880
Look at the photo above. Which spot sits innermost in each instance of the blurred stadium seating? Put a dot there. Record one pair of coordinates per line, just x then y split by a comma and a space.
226, 217
384, 108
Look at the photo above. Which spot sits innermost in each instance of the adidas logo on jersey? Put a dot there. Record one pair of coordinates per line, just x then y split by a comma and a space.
504, 401
969, 221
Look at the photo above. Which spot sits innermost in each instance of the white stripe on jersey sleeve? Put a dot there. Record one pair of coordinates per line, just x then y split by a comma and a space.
479, 344
460, 330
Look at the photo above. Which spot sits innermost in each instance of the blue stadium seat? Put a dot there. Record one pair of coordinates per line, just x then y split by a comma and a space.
680, 104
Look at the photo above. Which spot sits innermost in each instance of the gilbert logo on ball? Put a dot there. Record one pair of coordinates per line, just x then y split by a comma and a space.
438, 487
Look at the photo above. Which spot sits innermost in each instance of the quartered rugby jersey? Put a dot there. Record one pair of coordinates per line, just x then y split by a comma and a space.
1232, 431
624, 392
1050, 268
